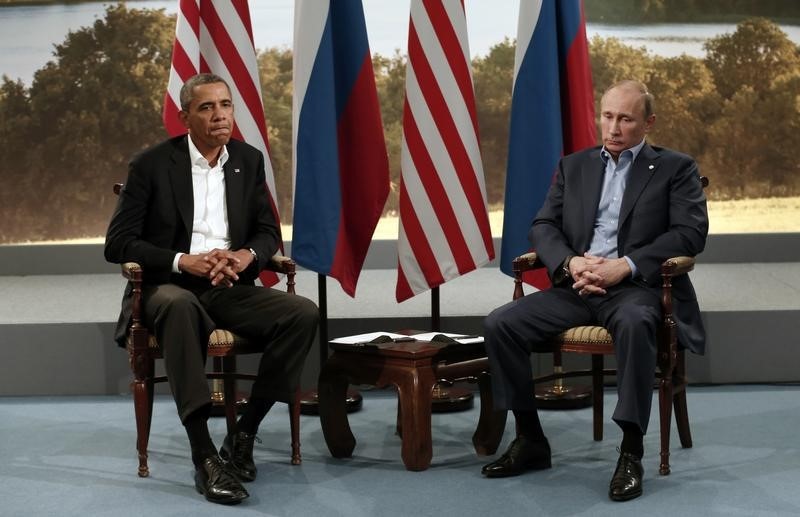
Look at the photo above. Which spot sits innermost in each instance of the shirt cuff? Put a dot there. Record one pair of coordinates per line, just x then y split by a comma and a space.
175, 261
631, 265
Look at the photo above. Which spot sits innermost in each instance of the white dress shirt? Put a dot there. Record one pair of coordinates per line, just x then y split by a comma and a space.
210, 217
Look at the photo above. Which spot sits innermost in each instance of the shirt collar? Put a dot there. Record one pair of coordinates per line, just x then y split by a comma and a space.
605, 155
197, 158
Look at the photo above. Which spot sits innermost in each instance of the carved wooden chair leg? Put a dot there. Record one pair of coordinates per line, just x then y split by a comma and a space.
142, 388
597, 396
294, 426
665, 409
229, 392
679, 403
682, 420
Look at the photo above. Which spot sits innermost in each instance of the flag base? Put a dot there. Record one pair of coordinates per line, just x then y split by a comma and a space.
218, 403
450, 399
561, 396
309, 402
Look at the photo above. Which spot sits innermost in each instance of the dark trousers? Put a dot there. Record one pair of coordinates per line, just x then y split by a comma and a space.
182, 320
630, 313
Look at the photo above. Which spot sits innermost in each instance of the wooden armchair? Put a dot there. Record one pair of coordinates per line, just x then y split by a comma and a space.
223, 347
597, 342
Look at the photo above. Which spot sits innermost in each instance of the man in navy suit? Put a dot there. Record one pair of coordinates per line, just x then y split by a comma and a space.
611, 217
194, 213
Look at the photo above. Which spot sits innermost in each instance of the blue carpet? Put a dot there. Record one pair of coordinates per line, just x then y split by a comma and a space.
76, 456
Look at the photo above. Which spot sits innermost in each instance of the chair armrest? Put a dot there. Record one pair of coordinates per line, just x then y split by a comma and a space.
527, 262
132, 271
677, 266
281, 264
285, 265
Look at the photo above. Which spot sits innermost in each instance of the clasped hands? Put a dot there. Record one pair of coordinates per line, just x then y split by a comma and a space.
592, 274
221, 267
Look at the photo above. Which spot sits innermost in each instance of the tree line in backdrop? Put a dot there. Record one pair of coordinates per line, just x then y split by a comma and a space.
68, 137
692, 11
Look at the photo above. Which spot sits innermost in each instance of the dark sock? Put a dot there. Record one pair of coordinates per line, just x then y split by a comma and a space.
632, 439
196, 425
528, 425
254, 413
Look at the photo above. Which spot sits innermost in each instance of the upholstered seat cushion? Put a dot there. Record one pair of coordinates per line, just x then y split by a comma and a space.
220, 343
586, 335
586, 339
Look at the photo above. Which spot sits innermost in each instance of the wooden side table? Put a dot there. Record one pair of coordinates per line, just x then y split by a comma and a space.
413, 367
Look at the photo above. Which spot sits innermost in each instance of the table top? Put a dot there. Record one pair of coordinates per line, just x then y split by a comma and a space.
409, 349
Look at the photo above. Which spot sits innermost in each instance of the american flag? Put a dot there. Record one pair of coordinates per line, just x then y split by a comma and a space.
444, 226
217, 37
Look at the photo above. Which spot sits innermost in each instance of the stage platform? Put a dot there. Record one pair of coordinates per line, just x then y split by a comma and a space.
59, 304
57, 329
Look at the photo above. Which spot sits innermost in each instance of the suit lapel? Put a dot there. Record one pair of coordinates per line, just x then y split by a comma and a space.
592, 172
234, 198
642, 170
180, 176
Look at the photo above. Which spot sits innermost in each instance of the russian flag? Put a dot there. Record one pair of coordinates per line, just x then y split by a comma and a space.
341, 169
552, 113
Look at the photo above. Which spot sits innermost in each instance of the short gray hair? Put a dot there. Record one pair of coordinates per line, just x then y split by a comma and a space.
187, 90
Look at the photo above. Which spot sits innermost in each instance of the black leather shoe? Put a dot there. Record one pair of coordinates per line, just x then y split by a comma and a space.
626, 483
237, 451
217, 484
523, 454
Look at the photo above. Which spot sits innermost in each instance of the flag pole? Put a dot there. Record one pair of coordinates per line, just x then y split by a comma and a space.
446, 399
436, 320
322, 289
309, 400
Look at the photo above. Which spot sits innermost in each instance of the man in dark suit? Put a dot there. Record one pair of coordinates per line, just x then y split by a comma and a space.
612, 215
194, 213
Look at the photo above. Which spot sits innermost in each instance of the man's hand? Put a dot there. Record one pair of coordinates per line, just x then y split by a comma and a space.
593, 274
220, 266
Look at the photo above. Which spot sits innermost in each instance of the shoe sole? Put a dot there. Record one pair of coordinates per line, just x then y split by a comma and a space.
626, 497
229, 502
526, 468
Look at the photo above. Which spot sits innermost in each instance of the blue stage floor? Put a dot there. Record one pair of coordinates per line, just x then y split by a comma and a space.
75, 456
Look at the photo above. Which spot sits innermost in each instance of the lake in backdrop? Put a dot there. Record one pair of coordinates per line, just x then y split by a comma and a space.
28, 33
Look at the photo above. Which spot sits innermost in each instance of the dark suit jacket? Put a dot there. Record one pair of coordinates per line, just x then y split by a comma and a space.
663, 215
153, 218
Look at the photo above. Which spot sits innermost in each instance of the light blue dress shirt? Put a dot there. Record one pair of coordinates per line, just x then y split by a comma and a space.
606, 223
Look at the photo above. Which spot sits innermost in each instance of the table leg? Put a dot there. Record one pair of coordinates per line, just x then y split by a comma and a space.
414, 389
332, 389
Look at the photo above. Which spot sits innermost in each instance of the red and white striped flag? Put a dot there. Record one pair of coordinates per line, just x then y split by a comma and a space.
444, 226
217, 37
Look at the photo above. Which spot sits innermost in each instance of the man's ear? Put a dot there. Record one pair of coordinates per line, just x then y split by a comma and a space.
184, 116
648, 123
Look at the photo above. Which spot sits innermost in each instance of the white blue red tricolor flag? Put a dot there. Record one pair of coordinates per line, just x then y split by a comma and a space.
444, 226
552, 112
341, 169
217, 37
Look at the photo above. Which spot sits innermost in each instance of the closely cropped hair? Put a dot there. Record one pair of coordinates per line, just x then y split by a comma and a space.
187, 90
649, 100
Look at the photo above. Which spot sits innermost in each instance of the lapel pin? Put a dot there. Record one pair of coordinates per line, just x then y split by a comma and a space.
237, 170
651, 167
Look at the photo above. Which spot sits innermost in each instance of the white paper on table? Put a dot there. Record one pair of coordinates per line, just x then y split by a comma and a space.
365, 338
461, 338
